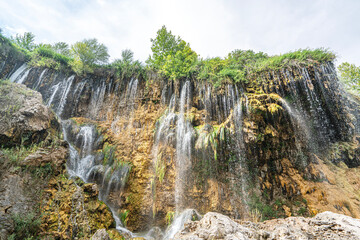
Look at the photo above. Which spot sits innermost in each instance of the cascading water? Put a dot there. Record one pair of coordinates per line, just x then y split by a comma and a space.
38, 83
65, 92
89, 165
18, 72
184, 133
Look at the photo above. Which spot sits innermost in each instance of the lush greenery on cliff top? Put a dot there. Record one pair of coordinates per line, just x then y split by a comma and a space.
172, 58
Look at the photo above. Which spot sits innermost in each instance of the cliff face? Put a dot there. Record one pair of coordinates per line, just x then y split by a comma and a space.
285, 143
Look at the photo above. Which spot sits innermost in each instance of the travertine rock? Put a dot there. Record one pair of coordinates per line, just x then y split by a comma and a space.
326, 225
23, 117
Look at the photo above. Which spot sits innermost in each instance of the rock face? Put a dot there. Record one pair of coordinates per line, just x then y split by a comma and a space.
23, 117
325, 225
36, 196
285, 143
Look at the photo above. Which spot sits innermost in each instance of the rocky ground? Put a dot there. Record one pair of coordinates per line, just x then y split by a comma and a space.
326, 225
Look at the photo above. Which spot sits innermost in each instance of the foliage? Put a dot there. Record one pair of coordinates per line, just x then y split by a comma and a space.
61, 48
350, 76
172, 56
26, 226
26, 41
90, 52
170, 217
45, 56
124, 216
127, 67
302, 56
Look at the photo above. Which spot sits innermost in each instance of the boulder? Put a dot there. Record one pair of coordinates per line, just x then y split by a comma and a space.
24, 119
100, 234
326, 225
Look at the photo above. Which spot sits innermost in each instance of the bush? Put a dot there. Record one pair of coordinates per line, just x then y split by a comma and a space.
26, 226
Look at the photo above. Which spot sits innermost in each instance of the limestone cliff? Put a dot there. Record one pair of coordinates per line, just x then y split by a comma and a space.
285, 143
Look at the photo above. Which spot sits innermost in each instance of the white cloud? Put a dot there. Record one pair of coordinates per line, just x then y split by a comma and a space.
212, 27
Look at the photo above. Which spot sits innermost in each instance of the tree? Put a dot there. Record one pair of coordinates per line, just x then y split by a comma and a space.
25, 41
171, 56
126, 66
61, 48
165, 44
127, 55
350, 76
90, 52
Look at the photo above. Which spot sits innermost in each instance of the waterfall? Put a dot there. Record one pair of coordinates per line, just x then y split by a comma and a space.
18, 72
184, 132
97, 99
54, 89
23, 76
67, 86
89, 165
240, 170
38, 83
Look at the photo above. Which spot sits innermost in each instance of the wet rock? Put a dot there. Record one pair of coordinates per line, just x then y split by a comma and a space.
100, 234
24, 119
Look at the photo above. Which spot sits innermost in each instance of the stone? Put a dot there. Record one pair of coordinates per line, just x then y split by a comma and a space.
101, 234
326, 225
23, 117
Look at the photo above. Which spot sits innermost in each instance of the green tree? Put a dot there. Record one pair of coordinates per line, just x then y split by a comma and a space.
127, 55
126, 67
171, 56
90, 52
61, 48
350, 76
25, 41
165, 44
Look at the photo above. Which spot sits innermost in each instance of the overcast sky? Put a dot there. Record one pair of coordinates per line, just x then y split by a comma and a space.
212, 27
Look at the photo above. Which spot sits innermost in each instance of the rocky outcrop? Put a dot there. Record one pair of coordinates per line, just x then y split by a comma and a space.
285, 143
326, 225
36, 197
23, 117
100, 234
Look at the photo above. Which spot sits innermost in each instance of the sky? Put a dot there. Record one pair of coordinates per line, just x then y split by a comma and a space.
212, 27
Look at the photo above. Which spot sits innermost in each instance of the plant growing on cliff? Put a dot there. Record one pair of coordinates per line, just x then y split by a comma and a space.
350, 76
26, 41
87, 54
126, 67
26, 226
90, 52
171, 55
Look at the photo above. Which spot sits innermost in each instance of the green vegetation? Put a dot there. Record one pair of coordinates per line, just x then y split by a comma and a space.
126, 67
350, 76
87, 54
170, 217
26, 41
172, 58
26, 226
124, 216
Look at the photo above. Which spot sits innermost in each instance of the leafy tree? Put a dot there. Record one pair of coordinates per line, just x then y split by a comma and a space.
171, 56
25, 41
126, 67
350, 76
165, 44
61, 48
90, 52
127, 55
